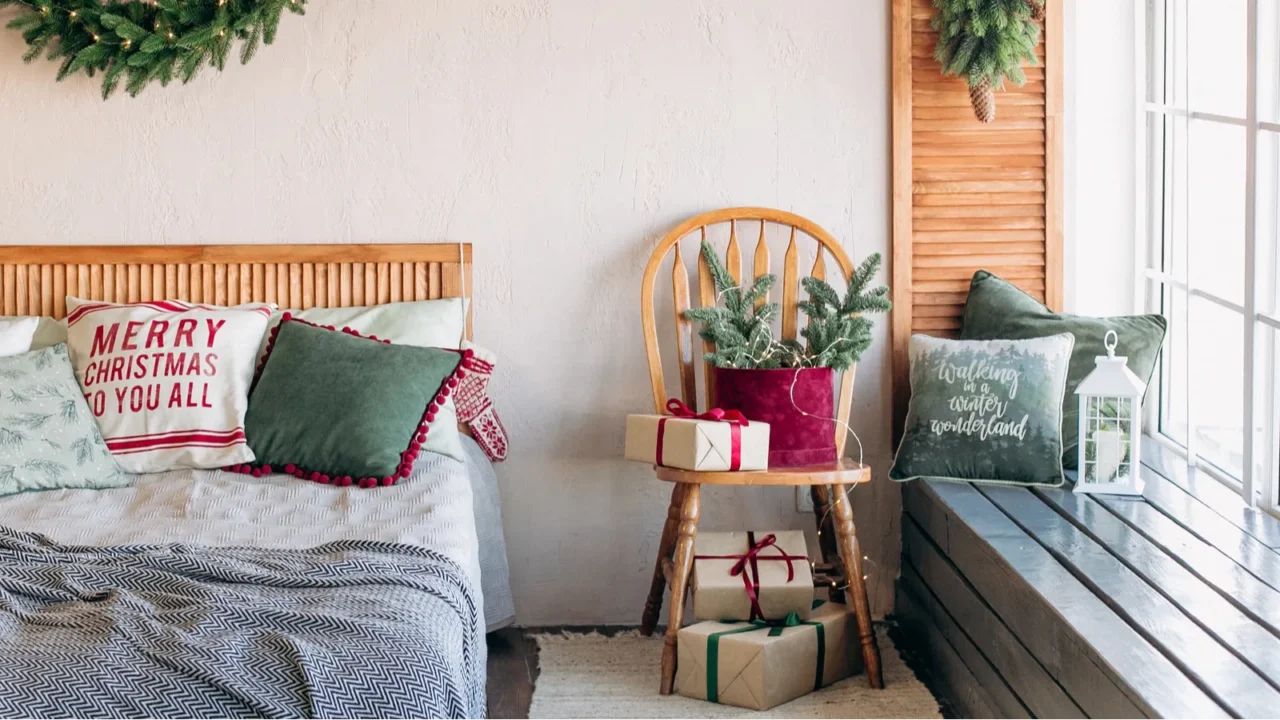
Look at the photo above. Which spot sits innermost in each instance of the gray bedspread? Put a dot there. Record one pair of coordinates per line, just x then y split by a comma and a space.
348, 629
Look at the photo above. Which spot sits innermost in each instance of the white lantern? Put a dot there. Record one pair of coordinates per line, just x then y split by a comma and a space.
1110, 426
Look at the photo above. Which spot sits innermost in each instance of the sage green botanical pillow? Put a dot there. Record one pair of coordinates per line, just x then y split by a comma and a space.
48, 437
999, 310
985, 410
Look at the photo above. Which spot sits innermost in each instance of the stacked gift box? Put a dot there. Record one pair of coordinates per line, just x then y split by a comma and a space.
765, 639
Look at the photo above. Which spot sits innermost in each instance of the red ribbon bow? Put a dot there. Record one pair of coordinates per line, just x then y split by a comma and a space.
751, 577
681, 411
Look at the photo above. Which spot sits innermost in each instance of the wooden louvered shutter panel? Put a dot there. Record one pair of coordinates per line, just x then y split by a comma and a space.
967, 195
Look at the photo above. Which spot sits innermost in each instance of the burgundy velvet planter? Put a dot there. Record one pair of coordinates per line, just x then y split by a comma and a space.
766, 396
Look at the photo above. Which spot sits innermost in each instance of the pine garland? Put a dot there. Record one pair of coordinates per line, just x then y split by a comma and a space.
836, 336
985, 42
143, 42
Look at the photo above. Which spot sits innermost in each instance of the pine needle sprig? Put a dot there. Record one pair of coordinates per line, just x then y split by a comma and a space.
836, 336
137, 43
986, 40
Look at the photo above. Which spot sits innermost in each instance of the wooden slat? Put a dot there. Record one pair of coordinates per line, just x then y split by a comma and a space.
334, 284
46, 285
20, 291
420, 286
397, 284
433, 280
684, 330
9, 273
84, 274
260, 283
1210, 665
760, 264
956, 670
294, 286
59, 291
109, 283
733, 254
320, 284
249, 254
1232, 627
345, 291
706, 298
73, 284
232, 284
208, 283
790, 289
384, 283
1106, 667
220, 292
933, 577
358, 276
271, 284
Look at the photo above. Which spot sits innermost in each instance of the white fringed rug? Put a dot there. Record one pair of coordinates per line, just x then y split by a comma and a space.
593, 676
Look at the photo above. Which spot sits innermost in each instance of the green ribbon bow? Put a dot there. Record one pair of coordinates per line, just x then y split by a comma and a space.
775, 628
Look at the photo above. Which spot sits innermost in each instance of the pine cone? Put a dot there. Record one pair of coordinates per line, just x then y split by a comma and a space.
983, 99
1037, 9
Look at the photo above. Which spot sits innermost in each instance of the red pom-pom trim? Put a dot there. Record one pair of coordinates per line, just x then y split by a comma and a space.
416, 440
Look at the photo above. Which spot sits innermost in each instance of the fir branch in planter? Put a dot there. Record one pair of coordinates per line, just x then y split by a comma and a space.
836, 336
143, 42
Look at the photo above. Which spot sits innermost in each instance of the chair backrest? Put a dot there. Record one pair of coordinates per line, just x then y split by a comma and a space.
747, 221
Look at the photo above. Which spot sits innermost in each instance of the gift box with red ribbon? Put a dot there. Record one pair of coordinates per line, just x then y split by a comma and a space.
710, 441
751, 576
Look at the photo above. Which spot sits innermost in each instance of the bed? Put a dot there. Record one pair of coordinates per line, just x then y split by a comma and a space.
204, 593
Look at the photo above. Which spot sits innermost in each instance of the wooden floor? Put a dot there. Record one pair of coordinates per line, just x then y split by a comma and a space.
1049, 604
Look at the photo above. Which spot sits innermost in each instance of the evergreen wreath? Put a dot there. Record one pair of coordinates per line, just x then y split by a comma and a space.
985, 42
144, 42
837, 334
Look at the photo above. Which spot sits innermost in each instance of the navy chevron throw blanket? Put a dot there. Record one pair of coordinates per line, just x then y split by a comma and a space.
348, 629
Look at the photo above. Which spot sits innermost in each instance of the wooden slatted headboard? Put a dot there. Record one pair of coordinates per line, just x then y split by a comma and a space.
35, 280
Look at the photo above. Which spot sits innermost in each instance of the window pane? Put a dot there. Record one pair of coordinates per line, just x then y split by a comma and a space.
1215, 209
1269, 60
1217, 384
1217, 59
1268, 228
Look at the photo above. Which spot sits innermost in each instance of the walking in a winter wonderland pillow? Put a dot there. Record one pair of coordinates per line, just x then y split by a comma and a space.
985, 410
168, 382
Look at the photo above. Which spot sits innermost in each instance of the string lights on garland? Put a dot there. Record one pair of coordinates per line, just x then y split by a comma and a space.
136, 43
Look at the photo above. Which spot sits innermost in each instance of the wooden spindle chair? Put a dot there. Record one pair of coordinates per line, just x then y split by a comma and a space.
841, 557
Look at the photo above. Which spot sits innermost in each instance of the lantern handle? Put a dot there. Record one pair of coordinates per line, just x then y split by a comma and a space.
1110, 340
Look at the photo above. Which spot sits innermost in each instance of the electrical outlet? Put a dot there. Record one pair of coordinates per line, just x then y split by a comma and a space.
804, 501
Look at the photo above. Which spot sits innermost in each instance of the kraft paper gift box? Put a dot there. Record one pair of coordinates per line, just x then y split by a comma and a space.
761, 665
745, 576
695, 444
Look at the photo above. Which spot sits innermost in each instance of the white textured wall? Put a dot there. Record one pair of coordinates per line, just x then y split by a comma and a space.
562, 137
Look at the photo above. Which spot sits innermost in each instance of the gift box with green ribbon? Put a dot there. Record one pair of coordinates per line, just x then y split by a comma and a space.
763, 663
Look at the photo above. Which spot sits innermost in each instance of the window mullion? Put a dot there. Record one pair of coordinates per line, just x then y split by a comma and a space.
1250, 444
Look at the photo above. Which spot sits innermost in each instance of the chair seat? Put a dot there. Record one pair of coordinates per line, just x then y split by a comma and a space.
841, 472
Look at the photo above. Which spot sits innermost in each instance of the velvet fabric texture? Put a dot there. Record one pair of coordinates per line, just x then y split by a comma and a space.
999, 310
338, 408
795, 439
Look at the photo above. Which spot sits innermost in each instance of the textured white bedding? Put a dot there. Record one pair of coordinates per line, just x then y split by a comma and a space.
431, 508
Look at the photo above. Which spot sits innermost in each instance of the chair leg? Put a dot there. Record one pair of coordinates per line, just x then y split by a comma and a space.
667, 545
851, 556
688, 528
830, 553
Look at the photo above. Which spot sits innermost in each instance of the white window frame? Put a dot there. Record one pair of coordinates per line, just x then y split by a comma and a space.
1154, 284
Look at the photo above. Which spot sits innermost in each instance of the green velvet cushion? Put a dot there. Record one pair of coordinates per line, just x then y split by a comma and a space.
987, 410
998, 310
335, 407
48, 437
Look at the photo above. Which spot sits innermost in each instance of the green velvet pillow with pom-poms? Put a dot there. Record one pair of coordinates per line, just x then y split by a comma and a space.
339, 408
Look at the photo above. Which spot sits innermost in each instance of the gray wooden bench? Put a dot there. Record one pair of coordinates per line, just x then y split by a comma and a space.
1043, 603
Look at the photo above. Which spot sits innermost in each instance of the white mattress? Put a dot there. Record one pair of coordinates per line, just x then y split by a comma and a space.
431, 508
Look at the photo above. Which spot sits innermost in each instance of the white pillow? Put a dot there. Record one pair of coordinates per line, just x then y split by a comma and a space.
16, 335
425, 323
168, 382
